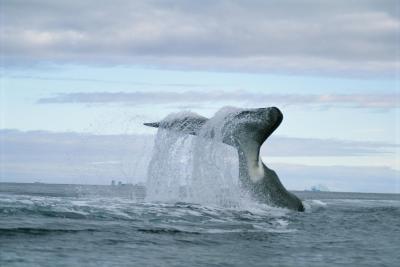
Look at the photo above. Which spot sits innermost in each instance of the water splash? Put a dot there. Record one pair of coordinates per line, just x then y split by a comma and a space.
196, 169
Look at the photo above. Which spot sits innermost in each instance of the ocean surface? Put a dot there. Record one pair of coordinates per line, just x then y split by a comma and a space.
69, 225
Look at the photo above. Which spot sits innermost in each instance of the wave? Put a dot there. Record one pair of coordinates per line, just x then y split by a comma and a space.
149, 218
39, 231
166, 231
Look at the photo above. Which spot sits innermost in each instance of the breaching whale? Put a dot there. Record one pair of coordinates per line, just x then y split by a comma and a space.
246, 130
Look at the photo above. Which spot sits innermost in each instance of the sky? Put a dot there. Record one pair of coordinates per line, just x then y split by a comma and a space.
79, 78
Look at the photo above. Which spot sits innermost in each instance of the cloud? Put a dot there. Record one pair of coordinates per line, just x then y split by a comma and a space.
340, 178
347, 37
383, 101
98, 159
73, 157
281, 146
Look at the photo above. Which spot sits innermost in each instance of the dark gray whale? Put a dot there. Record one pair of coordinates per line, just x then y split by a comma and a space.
246, 130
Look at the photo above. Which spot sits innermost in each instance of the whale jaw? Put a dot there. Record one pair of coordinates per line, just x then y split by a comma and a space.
246, 130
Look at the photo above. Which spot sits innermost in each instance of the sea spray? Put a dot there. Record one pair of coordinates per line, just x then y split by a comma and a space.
198, 169
168, 171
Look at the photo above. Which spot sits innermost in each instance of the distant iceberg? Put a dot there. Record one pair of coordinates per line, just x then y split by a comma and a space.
319, 188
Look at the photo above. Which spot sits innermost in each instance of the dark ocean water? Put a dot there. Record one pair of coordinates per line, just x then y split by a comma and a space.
66, 225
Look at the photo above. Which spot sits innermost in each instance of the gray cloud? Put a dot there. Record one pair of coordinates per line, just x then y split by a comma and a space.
97, 159
312, 147
343, 36
383, 101
340, 178
73, 157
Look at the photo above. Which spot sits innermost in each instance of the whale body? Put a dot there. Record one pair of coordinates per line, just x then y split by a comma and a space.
246, 130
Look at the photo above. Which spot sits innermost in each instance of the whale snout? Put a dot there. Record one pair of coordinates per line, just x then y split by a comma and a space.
271, 113
275, 114
275, 109
271, 117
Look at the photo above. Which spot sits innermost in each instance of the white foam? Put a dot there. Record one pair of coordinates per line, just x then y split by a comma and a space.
195, 169
317, 202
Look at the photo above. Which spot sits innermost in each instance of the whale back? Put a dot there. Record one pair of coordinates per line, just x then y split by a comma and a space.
236, 129
189, 124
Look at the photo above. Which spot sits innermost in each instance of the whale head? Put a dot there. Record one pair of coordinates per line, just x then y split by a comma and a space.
254, 125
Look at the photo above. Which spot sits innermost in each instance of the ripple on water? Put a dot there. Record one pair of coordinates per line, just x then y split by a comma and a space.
161, 218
